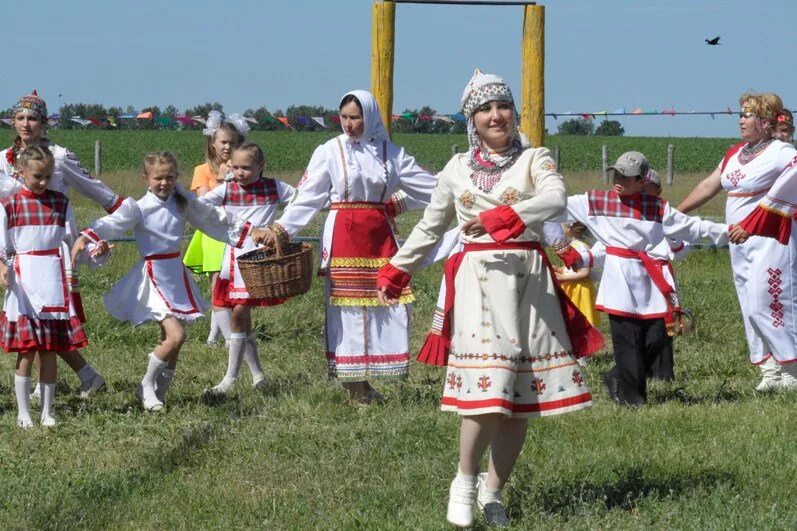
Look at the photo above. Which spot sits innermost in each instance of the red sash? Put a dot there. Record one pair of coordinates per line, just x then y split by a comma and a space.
654, 269
584, 337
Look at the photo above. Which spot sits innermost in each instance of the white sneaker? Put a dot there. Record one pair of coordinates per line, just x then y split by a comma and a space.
461, 497
48, 421
24, 423
259, 383
96, 383
223, 387
148, 400
36, 395
490, 504
788, 376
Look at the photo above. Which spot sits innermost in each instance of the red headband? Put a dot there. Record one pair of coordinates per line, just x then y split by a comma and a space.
784, 118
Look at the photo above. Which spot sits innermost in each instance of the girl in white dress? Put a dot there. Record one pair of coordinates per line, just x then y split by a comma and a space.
159, 288
254, 198
38, 315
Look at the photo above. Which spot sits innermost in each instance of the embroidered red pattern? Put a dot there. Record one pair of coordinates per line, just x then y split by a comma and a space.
484, 383
610, 204
538, 385
735, 176
775, 290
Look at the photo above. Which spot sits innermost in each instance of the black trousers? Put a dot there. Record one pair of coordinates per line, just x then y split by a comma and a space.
662, 364
637, 342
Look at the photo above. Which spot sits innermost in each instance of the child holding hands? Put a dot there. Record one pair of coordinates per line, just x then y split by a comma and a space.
158, 288
38, 314
254, 198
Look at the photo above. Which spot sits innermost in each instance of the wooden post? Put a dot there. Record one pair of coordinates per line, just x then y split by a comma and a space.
532, 79
383, 29
556, 156
605, 163
97, 158
670, 164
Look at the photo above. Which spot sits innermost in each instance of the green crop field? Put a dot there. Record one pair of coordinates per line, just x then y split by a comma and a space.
707, 452
290, 151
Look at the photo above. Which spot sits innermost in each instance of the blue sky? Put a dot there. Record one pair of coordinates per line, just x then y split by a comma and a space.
247, 53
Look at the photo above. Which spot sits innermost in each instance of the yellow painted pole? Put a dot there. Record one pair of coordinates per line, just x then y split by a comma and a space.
532, 79
383, 32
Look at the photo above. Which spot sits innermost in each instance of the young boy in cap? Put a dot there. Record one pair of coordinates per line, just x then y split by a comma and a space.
634, 290
660, 361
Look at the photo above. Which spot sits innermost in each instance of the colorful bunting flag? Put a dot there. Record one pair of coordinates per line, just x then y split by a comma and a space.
671, 112
250, 119
145, 116
443, 118
638, 111
320, 121
81, 121
128, 116
7, 121
336, 118
459, 117
284, 121
164, 120
199, 119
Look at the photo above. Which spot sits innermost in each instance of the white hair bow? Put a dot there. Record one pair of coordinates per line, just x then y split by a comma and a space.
215, 119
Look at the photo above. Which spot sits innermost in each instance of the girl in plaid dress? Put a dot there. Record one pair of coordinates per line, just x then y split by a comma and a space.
252, 197
30, 124
159, 288
38, 316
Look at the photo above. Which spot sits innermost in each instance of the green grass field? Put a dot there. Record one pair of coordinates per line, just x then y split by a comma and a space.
708, 452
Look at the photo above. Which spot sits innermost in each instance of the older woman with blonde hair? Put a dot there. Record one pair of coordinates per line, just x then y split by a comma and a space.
514, 336
764, 271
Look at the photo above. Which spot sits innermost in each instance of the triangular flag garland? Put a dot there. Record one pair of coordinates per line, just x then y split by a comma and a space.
320, 121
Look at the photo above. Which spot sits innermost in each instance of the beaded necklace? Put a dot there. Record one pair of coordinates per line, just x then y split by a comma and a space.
486, 173
748, 153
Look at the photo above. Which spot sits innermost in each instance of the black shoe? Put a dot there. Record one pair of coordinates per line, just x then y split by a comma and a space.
612, 386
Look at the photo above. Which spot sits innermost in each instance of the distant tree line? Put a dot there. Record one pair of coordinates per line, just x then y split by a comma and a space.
300, 118
586, 127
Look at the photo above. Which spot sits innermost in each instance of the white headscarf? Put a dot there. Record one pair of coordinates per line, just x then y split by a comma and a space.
374, 132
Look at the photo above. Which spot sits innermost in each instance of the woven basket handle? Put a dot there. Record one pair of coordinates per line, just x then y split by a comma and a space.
278, 246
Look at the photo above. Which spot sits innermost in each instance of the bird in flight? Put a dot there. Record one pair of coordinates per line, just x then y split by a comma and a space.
713, 42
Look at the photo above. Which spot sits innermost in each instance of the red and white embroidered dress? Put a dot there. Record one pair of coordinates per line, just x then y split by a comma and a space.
362, 180
510, 351
631, 227
762, 198
38, 314
257, 203
159, 284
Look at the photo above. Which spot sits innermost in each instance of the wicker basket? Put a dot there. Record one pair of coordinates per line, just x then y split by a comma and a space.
286, 271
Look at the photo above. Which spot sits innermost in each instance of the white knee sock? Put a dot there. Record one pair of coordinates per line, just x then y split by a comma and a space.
253, 360
86, 374
154, 367
164, 381
214, 329
22, 388
48, 395
223, 318
234, 359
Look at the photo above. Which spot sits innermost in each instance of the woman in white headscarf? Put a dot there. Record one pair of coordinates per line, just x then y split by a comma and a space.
513, 334
367, 179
